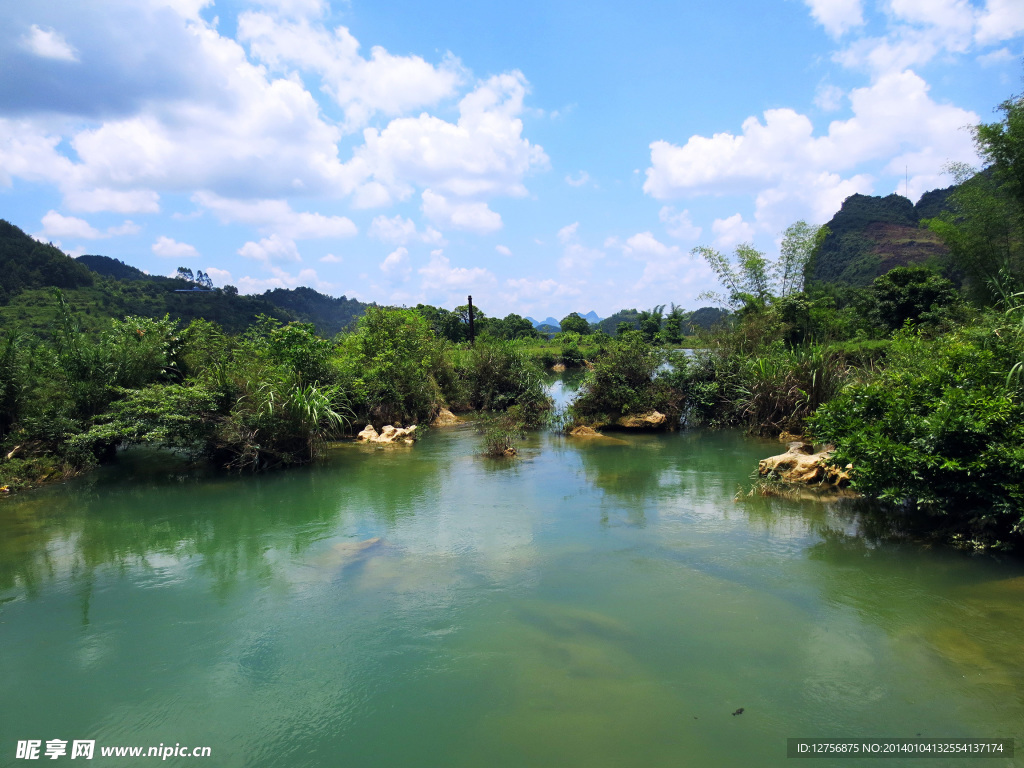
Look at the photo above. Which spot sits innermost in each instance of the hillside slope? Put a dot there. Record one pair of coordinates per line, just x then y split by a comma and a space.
871, 235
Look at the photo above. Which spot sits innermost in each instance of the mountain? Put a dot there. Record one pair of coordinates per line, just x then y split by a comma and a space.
330, 315
27, 264
108, 267
869, 235
547, 321
99, 288
591, 317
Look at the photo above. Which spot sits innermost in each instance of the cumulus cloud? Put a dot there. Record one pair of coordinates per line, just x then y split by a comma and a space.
56, 225
504, 250
276, 216
219, 276
667, 268
384, 83
483, 154
475, 217
732, 231
269, 249
396, 264
168, 248
283, 279
440, 275
401, 231
48, 44
578, 180
678, 225
789, 168
837, 16
919, 30
330, 258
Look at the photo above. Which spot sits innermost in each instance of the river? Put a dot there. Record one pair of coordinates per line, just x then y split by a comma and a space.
589, 603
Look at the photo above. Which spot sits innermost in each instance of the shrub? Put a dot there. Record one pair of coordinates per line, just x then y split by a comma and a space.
941, 431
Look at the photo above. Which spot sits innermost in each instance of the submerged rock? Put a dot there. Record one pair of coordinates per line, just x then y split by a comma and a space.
800, 464
389, 434
642, 420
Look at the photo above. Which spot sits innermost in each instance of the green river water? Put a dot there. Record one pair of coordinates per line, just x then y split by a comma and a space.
590, 603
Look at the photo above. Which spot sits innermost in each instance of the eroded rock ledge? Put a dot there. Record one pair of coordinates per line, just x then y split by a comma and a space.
800, 464
388, 434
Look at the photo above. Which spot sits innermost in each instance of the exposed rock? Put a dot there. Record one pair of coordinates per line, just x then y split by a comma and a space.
558, 367
789, 437
445, 418
389, 434
585, 432
800, 464
642, 421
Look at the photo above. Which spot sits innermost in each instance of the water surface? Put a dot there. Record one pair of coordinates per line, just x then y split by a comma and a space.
591, 603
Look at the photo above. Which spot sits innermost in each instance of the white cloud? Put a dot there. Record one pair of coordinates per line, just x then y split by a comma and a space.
732, 231
330, 258
483, 154
837, 16
829, 98
56, 225
95, 200
168, 248
475, 217
219, 276
276, 216
920, 30
402, 231
273, 248
283, 279
579, 180
678, 225
48, 44
396, 264
440, 275
666, 268
568, 233
795, 174
384, 83
504, 250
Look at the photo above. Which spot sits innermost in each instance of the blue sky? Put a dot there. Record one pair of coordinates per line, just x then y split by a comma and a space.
544, 156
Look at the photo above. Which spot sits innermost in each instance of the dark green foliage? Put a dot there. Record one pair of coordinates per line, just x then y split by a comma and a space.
108, 267
940, 429
871, 235
914, 295
327, 314
624, 381
629, 317
499, 376
573, 323
509, 328
396, 368
26, 263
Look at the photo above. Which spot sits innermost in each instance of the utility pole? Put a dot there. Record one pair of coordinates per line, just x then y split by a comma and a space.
472, 332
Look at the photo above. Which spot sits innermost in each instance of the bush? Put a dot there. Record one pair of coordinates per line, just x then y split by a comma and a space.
499, 375
940, 430
624, 381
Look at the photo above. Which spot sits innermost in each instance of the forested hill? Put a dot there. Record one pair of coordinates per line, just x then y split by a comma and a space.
26, 263
871, 235
100, 288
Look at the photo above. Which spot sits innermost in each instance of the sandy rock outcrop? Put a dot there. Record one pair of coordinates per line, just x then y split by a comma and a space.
389, 434
445, 418
642, 421
800, 464
585, 432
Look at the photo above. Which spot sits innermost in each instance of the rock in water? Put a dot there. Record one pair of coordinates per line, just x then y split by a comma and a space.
800, 464
445, 418
389, 434
642, 421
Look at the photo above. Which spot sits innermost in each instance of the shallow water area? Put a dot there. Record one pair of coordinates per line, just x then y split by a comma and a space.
588, 603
